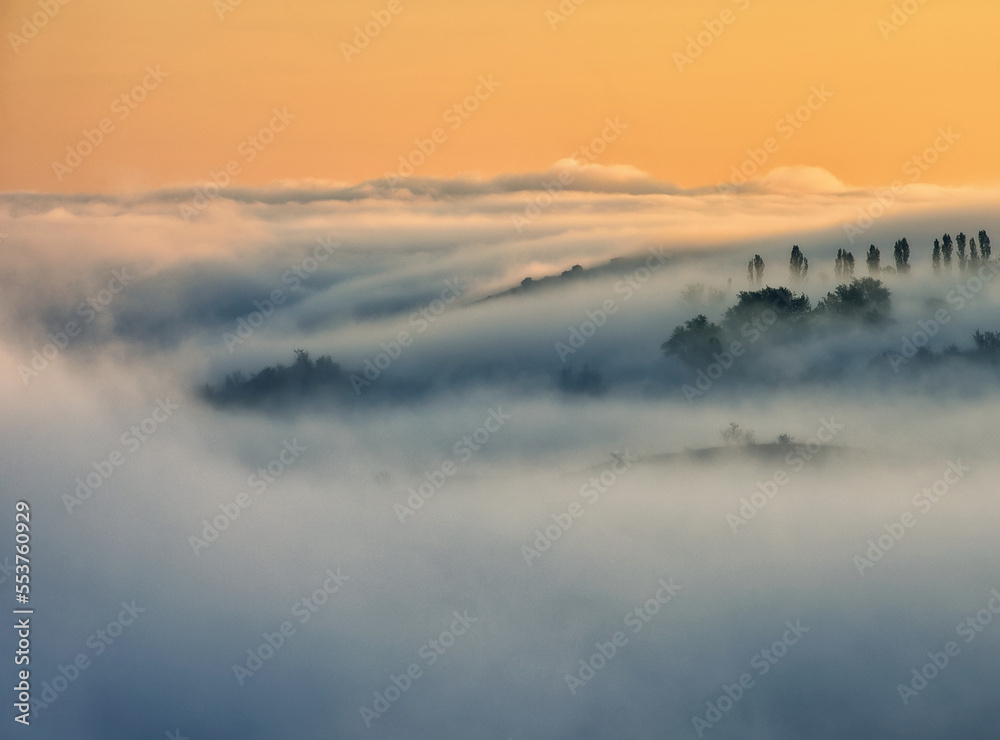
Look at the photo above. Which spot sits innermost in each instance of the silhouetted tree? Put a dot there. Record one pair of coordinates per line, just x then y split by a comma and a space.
936, 257
973, 253
751, 304
984, 245
844, 265
694, 342
901, 254
280, 383
946, 252
987, 342
960, 248
874, 261
737, 436
798, 265
866, 298
755, 271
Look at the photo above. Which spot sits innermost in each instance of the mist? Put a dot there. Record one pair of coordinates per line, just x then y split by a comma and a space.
433, 537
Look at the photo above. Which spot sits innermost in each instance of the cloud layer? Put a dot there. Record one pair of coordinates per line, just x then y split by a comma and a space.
478, 495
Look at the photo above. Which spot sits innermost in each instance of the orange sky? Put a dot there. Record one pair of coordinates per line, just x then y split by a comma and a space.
353, 120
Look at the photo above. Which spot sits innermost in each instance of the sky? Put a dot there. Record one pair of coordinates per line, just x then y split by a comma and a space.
358, 100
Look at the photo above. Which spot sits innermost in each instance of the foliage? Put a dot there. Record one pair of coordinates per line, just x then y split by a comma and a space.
901, 255
844, 265
874, 261
755, 271
737, 436
987, 342
750, 304
302, 378
864, 298
798, 265
694, 342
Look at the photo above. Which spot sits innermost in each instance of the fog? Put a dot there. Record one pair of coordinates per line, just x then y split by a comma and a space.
481, 524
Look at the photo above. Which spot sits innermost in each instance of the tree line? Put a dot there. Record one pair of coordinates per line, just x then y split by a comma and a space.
968, 252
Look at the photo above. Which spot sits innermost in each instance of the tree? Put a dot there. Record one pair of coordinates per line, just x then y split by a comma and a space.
973, 253
866, 297
694, 342
751, 304
987, 342
946, 252
755, 271
798, 265
936, 257
844, 266
303, 378
901, 253
874, 261
984, 245
960, 248
737, 436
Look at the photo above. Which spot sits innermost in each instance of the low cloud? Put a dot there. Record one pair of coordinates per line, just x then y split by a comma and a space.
422, 427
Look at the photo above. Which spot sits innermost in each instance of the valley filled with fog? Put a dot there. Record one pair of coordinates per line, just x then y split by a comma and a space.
365, 479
